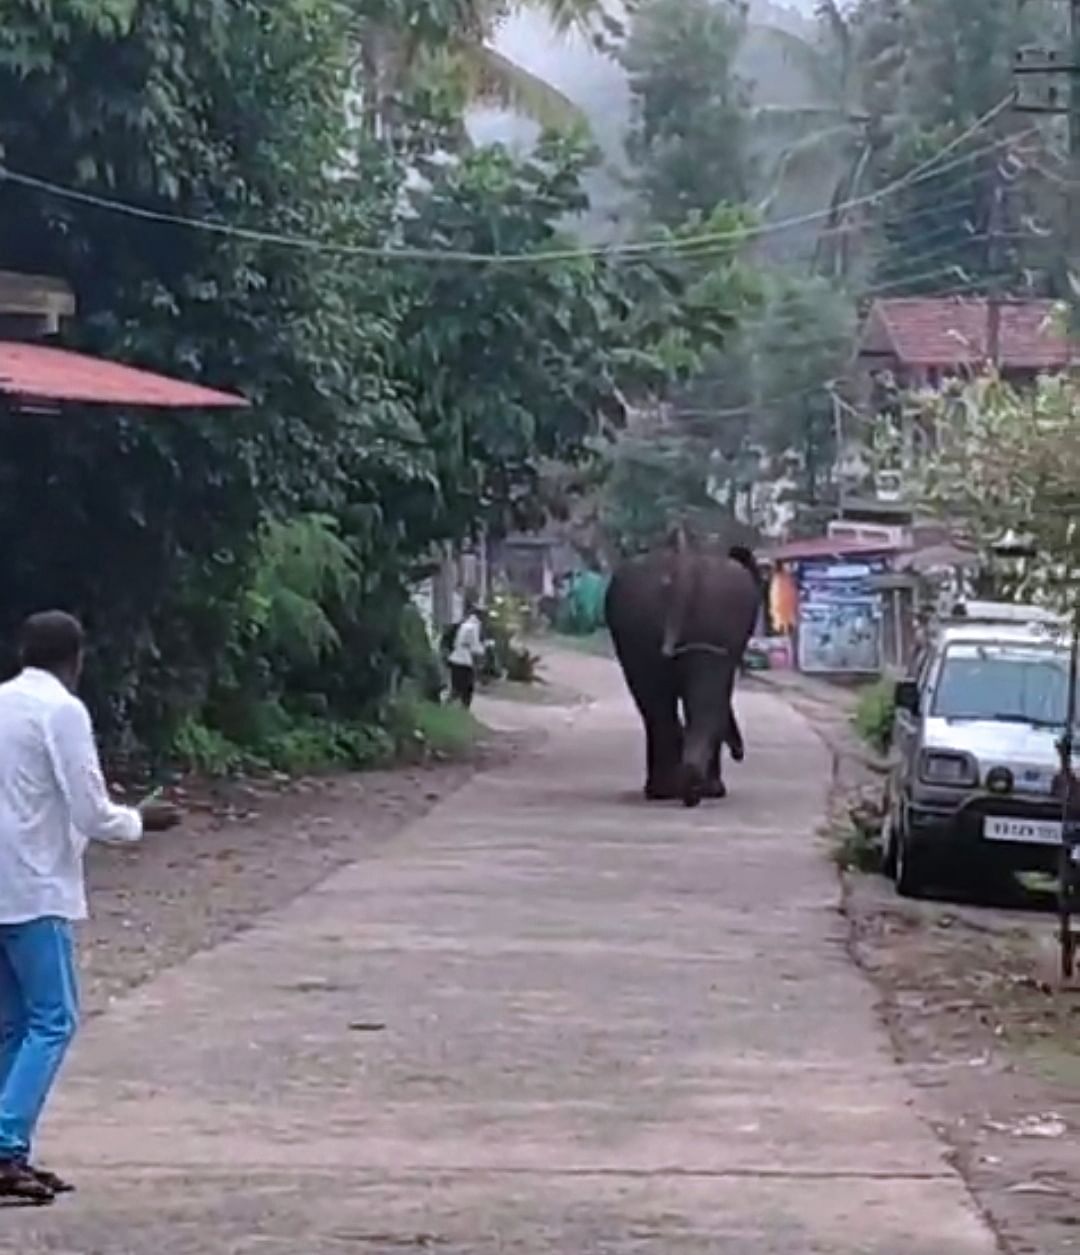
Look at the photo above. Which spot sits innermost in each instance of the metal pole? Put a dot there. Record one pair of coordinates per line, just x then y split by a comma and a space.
1068, 869
1051, 66
993, 303
1073, 188
1068, 785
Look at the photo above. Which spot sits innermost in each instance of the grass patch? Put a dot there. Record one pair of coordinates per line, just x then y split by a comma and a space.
411, 730
448, 731
874, 715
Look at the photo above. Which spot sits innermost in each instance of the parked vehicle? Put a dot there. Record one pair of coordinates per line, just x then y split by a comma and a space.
974, 793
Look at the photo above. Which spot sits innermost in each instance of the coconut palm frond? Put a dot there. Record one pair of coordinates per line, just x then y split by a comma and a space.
493, 79
586, 16
807, 155
832, 253
828, 12
794, 118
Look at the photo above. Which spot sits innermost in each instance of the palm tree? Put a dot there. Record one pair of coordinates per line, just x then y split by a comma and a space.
400, 49
832, 138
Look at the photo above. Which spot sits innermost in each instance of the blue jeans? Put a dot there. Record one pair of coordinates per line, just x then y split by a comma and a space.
39, 1012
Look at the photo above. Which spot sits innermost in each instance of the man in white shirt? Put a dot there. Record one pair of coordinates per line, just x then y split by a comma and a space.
53, 802
465, 657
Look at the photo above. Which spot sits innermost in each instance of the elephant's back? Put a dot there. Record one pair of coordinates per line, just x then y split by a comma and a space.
639, 594
723, 606
720, 599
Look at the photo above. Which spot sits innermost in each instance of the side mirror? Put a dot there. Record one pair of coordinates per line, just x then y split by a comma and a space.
906, 697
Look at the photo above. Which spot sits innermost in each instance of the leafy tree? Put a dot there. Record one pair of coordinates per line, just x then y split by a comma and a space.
225, 111
227, 566
688, 134
1003, 461
803, 341
931, 70
416, 59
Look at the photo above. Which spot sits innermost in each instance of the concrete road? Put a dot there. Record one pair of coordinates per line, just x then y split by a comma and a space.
546, 1019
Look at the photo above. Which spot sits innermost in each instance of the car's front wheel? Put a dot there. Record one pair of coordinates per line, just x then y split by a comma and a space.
909, 863
889, 828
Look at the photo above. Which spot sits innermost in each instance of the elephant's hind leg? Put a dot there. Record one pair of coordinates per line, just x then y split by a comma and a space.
663, 739
714, 781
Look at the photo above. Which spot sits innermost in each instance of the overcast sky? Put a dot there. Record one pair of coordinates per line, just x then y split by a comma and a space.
594, 82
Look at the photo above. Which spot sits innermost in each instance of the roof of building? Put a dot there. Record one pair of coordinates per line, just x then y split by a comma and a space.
40, 373
954, 332
830, 547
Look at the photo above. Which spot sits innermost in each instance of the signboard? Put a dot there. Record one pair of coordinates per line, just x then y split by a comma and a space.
839, 618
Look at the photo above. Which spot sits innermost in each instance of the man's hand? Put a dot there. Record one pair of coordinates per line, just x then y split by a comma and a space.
158, 816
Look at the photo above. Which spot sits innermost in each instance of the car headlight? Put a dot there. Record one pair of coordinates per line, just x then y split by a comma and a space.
939, 767
1000, 780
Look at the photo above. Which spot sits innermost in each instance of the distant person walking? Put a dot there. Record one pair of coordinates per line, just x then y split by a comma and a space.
53, 801
465, 656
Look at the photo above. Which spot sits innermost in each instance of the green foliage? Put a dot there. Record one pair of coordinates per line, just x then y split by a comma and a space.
316, 745
443, 731
803, 341
205, 751
1005, 461
301, 565
874, 715
688, 134
505, 621
930, 69
244, 577
148, 526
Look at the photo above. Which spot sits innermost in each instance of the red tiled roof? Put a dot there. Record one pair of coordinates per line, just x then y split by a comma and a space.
37, 372
953, 331
828, 547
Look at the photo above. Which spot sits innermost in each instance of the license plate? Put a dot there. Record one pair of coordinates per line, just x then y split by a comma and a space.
1026, 831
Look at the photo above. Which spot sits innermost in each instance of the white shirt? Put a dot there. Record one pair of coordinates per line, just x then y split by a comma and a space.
468, 644
53, 800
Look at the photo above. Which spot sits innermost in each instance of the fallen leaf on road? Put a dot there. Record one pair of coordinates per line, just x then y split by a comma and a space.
1048, 1125
1033, 1187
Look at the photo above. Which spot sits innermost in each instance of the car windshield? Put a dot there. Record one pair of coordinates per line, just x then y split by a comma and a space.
987, 682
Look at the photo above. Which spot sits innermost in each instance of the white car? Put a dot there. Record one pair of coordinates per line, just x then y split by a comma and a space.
974, 790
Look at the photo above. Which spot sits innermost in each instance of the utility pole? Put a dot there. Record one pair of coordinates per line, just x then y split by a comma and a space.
994, 231
1073, 190
1049, 84
1048, 67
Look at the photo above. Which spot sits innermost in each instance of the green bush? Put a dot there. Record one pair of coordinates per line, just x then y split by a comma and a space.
205, 751
419, 658
419, 728
447, 731
323, 745
874, 715
505, 622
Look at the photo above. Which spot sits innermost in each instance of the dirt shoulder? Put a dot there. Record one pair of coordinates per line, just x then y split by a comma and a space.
967, 991
245, 850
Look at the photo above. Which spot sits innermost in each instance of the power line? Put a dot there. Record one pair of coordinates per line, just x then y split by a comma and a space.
694, 249
678, 246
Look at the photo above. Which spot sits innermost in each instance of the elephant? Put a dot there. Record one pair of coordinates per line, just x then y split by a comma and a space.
680, 619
